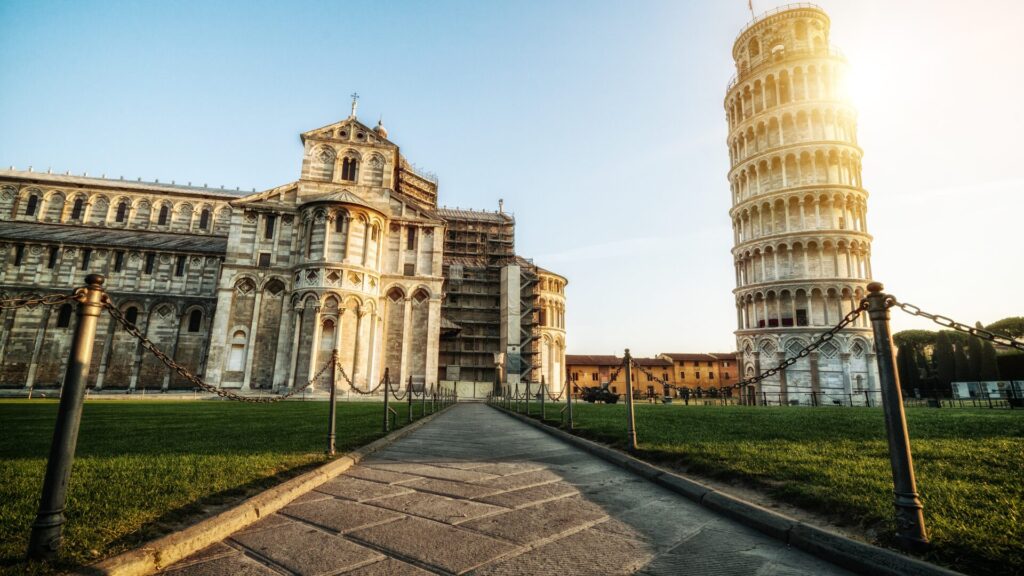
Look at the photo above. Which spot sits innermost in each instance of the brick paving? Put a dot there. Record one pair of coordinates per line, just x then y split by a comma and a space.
477, 492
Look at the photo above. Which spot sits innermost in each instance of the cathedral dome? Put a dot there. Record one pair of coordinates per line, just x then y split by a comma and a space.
381, 130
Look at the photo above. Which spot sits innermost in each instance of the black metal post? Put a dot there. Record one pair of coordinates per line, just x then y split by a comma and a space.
568, 400
543, 393
408, 392
630, 419
527, 397
332, 413
46, 537
387, 392
910, 528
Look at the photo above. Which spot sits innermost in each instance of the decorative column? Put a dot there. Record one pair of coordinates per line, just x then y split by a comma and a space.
406, 338
432, 343
315, 351
783, 382
251, 345
357, 347
297, 313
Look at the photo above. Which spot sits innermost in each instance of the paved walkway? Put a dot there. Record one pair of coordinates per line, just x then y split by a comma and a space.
477, 492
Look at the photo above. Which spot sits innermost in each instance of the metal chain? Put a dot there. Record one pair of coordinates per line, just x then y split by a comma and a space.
184, 372
352, 385
947, 322
817, 343
51, 300
395, 395
553, 398
652, 376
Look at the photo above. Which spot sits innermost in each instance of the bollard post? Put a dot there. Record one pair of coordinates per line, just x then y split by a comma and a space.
387, 391
46, 537
423, 400
543, 393
408, 393
910, 528
568, 399
630, 420
332, 412
527, 397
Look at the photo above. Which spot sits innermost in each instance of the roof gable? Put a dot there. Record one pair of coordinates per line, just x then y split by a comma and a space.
351, 128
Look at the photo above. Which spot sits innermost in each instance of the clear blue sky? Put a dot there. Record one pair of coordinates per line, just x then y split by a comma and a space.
600, 124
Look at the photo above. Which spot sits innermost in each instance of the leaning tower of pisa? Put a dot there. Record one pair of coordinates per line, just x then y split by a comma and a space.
801, 243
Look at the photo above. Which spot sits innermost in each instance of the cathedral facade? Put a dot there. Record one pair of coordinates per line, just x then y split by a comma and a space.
250, 291
802, 252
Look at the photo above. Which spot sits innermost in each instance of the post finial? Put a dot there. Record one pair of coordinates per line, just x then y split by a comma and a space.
95, 280
875, 287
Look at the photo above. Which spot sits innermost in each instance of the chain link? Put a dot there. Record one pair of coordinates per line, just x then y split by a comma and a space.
814, 345
947, 322
352, 387
553, 398
50, 300
198, 382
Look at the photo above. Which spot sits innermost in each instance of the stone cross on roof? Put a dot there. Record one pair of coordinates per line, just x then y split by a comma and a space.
355, 103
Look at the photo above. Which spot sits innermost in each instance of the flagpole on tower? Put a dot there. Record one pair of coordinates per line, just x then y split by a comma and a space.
750, 4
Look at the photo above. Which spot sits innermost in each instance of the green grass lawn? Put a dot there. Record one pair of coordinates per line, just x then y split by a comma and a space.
142, 466
969, 464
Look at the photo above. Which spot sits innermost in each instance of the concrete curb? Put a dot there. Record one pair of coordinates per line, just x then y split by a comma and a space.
851, 554
167, 550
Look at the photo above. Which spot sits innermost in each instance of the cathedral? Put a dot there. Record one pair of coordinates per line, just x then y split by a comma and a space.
256, 291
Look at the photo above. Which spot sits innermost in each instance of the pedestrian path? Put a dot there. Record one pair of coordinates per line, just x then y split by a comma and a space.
478, 492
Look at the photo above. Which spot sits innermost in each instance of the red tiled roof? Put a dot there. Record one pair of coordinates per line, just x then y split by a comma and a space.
653, 362
592, 360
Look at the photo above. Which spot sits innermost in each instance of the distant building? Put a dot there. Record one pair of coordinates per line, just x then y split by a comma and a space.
681, 370
256, 291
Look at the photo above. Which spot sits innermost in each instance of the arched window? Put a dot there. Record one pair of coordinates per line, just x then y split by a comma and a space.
754, 48
195, 320
162, 218
204, 219
76, 210
340, 220
236, 358
801, 30
350, 169
33, 203
131, 315
64, 316
122, 211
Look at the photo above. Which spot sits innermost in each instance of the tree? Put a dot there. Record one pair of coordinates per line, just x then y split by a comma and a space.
945, 363
974, 356
989, 365
923, 365
906, 365
961, 366
1012, 326
917, 338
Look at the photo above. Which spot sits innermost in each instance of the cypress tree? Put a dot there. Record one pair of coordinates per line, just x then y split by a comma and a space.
989, 366
974, 356
945, 364
961, 366
906, 364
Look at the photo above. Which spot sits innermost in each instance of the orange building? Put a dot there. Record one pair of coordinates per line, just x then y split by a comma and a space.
702, 371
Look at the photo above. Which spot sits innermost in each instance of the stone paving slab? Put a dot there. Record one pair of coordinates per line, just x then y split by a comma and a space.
434, 507
339, 515
304, 549
475, 491
438, 545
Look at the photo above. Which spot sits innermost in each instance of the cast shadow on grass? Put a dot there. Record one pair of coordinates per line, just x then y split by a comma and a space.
168, 522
